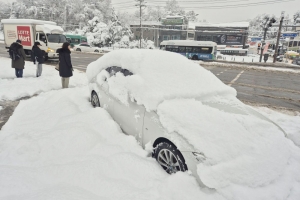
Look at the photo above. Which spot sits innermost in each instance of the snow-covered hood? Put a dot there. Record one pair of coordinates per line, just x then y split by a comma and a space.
158, 76
241, 146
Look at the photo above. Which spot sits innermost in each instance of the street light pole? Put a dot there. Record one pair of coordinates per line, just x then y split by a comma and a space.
263, 43
278, 37
141, 4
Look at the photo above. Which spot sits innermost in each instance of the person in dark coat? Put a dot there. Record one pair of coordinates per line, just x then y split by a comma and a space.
37, 56
65, 64
19, 63
266, 57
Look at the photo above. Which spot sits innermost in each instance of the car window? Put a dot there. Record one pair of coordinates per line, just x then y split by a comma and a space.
113, 70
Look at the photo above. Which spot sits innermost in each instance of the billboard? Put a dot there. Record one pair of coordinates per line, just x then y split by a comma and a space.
229, 39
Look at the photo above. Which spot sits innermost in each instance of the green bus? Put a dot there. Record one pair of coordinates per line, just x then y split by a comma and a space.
76, 39
294, 45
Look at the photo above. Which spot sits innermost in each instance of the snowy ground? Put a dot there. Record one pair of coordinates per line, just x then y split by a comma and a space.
13, 88
56, 146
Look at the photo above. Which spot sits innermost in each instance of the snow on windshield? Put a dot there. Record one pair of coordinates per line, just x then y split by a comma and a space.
158, 75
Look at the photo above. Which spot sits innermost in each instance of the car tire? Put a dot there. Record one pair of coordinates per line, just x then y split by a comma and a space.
195, 57
96, 51
95, 100
169, 157
78, 49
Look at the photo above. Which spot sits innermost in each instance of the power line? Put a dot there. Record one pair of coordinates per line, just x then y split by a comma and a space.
237, 5
189, 6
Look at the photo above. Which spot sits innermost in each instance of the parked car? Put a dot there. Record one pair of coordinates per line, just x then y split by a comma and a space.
190, 119
84, 47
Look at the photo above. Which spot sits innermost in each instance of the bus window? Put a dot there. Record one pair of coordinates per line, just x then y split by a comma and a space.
83, 40
189, 49
295, 43
181, 49
290, 43
206, 50
196, 50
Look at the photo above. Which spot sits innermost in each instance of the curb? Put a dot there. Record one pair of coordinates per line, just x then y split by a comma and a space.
276, 65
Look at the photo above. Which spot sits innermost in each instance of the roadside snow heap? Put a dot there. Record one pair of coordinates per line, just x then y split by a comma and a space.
248, 157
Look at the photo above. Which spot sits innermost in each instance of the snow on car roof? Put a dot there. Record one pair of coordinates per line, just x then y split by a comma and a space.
158, 75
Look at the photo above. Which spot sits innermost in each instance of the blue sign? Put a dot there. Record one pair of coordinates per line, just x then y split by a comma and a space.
256, 39
289, 35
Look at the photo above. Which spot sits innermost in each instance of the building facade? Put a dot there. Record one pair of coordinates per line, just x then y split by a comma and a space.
169, 28
178, 28
229, 34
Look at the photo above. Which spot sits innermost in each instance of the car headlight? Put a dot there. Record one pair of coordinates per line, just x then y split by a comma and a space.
50, 50
199, 156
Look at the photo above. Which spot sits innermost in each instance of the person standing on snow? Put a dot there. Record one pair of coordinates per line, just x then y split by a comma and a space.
266, 57
18, 56
65, 64
37, 56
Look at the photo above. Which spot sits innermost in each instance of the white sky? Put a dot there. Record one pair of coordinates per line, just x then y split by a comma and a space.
220, 15
224, 14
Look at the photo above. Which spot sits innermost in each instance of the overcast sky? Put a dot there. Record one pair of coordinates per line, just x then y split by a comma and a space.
225, 14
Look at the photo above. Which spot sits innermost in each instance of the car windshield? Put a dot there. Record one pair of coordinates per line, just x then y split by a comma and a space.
57, 38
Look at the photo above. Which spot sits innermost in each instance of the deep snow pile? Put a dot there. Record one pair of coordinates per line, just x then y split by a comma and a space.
56, 146
244, 153
158, 75
12, 88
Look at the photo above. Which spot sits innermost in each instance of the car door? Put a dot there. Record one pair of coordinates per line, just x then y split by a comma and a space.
89, 48
129, 117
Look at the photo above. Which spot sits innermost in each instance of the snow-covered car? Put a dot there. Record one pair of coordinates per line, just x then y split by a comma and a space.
188, 118
87, 48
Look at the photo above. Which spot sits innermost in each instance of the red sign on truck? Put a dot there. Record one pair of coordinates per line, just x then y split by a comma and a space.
24, 35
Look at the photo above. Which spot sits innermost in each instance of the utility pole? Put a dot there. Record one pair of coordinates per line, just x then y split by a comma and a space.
278, 37
266, 26
141, 4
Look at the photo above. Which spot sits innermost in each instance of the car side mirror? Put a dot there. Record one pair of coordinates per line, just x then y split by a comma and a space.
45, 41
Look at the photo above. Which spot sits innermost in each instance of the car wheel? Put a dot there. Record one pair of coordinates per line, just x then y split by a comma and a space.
95, 100
169, 157
96, 51
78, 49
195, 57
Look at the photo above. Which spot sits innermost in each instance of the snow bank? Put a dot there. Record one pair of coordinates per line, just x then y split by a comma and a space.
64, 150
247, 157
12, 88
158, 75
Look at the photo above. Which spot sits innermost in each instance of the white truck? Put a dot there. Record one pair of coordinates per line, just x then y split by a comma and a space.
29, 31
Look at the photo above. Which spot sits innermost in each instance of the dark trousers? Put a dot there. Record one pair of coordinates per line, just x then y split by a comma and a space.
19, 73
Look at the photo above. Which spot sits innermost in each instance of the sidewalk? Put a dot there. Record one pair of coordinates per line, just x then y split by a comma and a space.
13, 90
